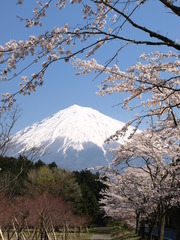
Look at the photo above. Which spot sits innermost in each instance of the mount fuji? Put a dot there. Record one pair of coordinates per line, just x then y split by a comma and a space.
73, 138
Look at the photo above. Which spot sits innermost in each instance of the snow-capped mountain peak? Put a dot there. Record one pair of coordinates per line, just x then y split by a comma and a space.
66, 136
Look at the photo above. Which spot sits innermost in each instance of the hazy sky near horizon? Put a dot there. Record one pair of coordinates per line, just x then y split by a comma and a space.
62, 88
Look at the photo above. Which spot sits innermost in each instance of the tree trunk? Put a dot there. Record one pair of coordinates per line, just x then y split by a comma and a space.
41, 233
176, 218
150, 232
161, 225
8, 233
178, 234
137, 222
142, 230
1, 234
66, 231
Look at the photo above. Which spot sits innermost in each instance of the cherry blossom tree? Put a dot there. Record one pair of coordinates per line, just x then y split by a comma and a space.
150, 87
103, 23
149, 186
137, 199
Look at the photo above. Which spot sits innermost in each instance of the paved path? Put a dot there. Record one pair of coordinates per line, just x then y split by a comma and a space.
101, 237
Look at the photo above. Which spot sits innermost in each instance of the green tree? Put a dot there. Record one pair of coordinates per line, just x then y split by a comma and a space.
52, 165
89, 201
39, 164
57, 182
90, 187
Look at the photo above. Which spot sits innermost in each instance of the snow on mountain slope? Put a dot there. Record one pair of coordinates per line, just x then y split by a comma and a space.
73, 138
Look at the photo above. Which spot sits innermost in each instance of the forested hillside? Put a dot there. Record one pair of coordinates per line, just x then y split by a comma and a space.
46, 197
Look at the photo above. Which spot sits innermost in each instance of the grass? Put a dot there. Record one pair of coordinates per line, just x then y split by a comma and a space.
116, 229
120, 232
59, 236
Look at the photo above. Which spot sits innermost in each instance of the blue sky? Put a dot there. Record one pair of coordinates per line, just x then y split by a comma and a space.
62, 88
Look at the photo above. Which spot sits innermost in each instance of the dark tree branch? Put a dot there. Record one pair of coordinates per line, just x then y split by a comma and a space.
169, 42
169, 5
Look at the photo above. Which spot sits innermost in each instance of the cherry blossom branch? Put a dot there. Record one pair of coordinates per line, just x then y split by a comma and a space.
166, 40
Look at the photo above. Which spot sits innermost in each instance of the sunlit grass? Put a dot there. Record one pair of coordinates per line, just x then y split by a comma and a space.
120, 232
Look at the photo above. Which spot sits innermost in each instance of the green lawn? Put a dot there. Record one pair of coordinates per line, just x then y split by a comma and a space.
119, 232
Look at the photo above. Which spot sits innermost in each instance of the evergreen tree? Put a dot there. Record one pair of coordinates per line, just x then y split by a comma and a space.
90, 187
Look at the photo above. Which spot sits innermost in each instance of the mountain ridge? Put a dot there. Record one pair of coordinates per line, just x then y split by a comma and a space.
73, 138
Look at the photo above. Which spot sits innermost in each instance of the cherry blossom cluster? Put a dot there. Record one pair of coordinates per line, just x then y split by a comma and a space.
98, 17
149, 184
49, 47
158, 77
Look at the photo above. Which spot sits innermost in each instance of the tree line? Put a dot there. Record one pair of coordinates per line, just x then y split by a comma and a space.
45, 199
148, 87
